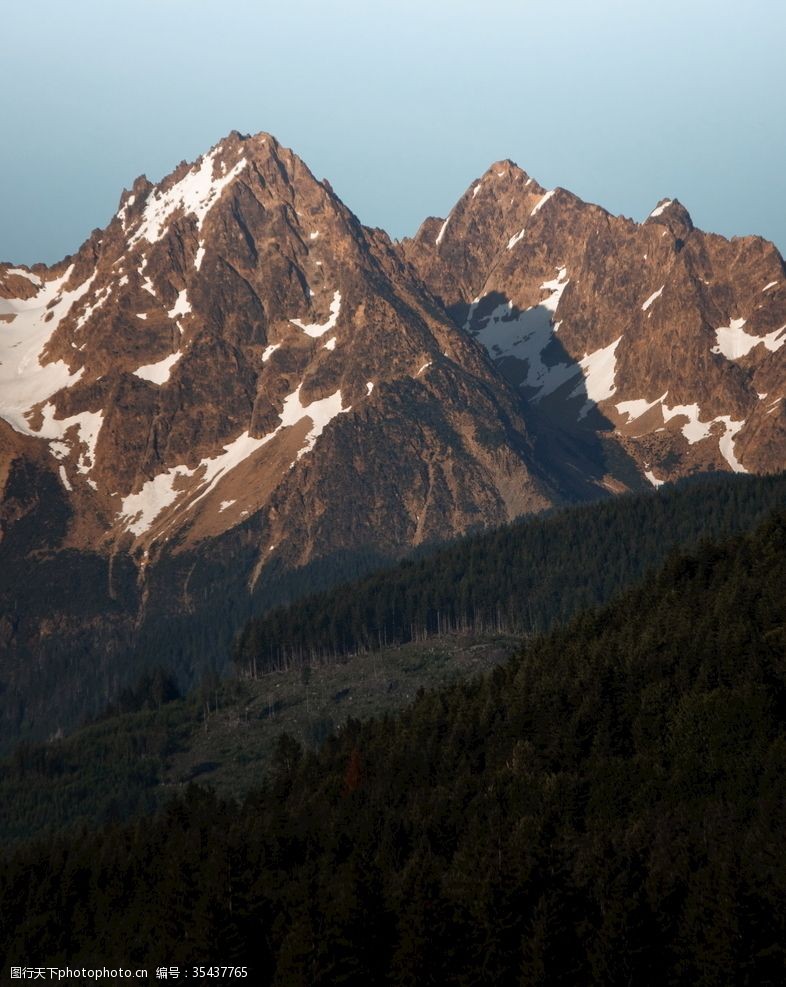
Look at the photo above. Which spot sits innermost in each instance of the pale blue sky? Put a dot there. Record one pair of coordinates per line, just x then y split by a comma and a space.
399, 104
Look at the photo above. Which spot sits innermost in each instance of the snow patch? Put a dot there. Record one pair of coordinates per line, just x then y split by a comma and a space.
695, 430
524, 336
196, 193
556, 287
424, 367
653, 479
330, 344
476, 190
441, 233
599, 369
370, 387
139, 510
269, 351
158, 373
100, 297
316, 330
122, 213
20, 273
638, 407
542, 201
515, 239
88, 426
24, 380
734, 343
59, 449
772, 284
64, 479
225, 504
182, 305
653, 298
320, 412
659, 210
726, 442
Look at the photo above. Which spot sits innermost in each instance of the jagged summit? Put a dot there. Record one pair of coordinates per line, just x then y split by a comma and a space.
664, 341
672, 213
506, 168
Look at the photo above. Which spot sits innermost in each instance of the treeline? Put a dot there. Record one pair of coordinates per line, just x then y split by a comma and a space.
520, 579
606, 809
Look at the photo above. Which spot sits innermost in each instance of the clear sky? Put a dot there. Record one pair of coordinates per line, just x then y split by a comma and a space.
400, 104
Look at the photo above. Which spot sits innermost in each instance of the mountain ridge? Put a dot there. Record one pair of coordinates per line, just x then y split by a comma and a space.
702, 385
236, 380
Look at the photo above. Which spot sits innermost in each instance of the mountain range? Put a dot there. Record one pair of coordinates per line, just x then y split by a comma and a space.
236, 390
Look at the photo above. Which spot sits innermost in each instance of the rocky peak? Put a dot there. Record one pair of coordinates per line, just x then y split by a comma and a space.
496, 208
656, 337
191, 356
672, 214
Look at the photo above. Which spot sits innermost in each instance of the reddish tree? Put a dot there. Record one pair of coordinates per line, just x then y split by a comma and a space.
354, 773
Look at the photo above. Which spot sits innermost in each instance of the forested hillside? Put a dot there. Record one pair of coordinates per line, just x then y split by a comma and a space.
151, 745
223, 733
520, 579
605, 809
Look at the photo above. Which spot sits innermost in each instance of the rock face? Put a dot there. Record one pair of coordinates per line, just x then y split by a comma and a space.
236, 384
663, 342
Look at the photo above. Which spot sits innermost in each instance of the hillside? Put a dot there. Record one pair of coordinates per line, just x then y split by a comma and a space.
606, 808
531, 577
517, 580
222, 735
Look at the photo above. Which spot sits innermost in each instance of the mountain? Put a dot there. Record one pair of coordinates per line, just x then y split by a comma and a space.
664, 343
605, 809
209, 336
237, 392
232, 381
